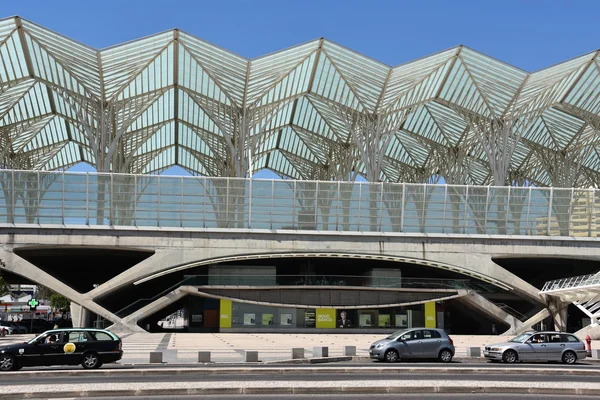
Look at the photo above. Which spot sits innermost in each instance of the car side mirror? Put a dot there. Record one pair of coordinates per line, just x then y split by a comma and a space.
400, 339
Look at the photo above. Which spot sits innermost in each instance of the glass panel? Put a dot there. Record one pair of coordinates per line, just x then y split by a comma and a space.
455, 212
537, 218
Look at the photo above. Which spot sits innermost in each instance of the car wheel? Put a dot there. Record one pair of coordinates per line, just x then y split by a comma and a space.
391, 356
510, 356
569, 357
445, 356
91, 361
7, 363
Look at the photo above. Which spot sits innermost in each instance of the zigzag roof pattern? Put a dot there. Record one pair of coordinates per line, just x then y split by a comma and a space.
313, 111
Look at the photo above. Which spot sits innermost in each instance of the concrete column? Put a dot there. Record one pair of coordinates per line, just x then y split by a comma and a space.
558, 310
80, 316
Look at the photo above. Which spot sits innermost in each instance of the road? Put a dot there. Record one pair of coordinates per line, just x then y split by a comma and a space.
301, 376
354, 380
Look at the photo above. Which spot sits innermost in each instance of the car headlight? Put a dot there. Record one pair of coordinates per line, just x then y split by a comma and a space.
380, 345
496, 348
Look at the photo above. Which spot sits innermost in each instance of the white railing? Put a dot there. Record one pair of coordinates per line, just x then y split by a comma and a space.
573, 282
96, 199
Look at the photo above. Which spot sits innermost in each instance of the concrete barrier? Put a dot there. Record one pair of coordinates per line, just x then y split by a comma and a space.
595, 354
204, 356
320, 351
349, 350
251, 356
473, 352
156, 357
297, 352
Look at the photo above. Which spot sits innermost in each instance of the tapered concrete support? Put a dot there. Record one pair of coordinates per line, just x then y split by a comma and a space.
528, 324
483, 305
558, 310
20, 266
80, 316
155, 306
592, 330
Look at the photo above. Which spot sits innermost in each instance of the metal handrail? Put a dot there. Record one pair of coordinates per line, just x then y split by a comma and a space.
331, 280
572, 282
132, 307
520, 316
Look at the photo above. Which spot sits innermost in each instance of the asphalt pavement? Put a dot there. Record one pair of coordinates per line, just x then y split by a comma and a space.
289, 381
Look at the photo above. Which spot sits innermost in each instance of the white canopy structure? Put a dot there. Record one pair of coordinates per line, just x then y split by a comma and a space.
313, 111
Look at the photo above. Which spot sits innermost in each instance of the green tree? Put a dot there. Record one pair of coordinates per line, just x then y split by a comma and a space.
4, 286
59, 302
43, 293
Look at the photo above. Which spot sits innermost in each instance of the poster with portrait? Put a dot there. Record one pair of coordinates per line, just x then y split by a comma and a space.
267, 319
285, 319
401, 321
249, 319
365, 320
385, 320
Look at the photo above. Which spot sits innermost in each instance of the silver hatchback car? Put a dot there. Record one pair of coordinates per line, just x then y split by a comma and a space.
538, 346
414, 343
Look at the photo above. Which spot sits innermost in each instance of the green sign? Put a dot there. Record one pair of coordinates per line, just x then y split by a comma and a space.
33, 303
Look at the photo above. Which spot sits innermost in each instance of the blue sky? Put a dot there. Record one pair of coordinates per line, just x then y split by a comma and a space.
528, 34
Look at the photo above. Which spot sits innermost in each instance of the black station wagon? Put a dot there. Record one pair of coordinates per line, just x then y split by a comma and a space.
89, 347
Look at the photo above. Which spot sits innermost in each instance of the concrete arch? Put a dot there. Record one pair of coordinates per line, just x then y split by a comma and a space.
260, 256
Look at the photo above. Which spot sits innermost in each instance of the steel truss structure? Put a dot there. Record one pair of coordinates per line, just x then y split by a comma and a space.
314, 111
583, 291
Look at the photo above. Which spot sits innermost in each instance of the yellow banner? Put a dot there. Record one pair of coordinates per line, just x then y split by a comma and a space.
225, 319
430, 315
325, 318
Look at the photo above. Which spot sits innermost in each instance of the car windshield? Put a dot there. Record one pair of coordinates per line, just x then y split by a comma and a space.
521, 338
397, 334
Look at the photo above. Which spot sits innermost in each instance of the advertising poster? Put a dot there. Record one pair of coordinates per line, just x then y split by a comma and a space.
325, 318
385, 320
225, 314
267, 319
197, 318
365, 319
285, 319
401, 321
430, 315
310, 318
249, 319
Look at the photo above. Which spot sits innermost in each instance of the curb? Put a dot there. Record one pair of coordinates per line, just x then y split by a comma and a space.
313, 390
257, 369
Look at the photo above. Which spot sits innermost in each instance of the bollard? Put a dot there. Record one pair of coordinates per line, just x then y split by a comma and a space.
297, 352
473, 352
320, 351
204, 356
251, 356
595, 354
349, 350
156, 357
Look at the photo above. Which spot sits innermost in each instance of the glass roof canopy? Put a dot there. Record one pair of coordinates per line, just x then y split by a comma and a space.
313, 111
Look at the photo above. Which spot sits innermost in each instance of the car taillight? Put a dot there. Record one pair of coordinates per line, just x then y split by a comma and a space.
120, 346
451, 341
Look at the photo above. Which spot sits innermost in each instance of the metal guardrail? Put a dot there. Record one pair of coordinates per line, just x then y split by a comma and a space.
119, 200
330, 280
518, 315
139, 303
572, 282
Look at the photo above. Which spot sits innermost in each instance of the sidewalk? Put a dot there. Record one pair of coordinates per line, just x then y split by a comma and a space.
230, 347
